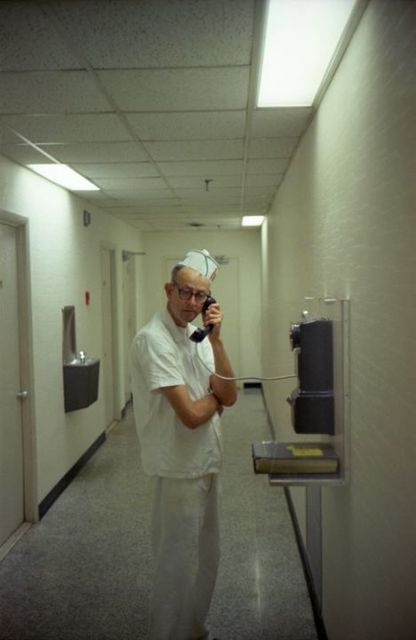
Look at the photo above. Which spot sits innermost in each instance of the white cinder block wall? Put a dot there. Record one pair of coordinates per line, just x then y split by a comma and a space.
344, 224
244, 247
65, 262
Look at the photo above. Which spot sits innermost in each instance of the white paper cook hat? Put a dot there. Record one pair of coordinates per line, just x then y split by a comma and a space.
202, 261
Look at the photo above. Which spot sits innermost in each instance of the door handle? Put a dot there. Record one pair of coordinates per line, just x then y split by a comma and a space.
22, 395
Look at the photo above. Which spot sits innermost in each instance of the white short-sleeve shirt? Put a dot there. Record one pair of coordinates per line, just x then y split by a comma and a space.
162, 355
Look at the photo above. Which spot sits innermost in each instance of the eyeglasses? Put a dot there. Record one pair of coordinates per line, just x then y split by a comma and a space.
186, 294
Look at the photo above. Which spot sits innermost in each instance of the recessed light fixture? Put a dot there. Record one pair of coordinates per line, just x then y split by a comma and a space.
64, 176
252, 221
301, 38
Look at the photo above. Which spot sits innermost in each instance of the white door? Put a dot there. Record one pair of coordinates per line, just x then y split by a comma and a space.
225, 289
11, 436
107, 364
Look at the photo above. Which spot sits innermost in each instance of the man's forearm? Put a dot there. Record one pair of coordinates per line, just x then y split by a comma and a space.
192, 413
203, 409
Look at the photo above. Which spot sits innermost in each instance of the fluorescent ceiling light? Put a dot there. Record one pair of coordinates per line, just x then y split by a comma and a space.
64, 176
301, 37
252, 221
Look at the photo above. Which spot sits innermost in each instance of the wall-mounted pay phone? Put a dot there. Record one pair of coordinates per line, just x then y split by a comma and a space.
312, 402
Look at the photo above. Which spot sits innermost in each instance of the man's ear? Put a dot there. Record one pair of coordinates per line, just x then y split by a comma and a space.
169, 286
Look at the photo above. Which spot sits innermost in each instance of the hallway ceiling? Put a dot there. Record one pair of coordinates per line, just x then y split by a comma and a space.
149, 99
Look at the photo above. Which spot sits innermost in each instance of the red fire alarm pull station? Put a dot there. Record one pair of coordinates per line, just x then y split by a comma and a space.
87, 298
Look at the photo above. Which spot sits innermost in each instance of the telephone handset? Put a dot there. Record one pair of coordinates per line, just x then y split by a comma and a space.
199, 334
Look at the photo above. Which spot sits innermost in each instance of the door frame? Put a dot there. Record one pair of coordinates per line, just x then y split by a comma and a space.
112, 250
128, 273
25, 336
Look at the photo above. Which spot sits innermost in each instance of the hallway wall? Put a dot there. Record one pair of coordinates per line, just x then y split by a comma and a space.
244, 247
344, 224
64, 263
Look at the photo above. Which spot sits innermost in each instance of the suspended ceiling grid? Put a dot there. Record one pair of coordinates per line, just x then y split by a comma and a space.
152, 100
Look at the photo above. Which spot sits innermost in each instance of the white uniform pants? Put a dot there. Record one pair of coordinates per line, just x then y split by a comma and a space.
185, 538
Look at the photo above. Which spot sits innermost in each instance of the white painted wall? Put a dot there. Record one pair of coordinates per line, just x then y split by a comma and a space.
64, 263
243, 245
344, 224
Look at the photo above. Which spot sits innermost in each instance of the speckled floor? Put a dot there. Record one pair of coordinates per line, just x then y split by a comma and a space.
84, 572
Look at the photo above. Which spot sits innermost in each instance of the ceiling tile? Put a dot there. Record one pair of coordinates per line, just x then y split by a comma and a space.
188, 125
130, 185
255, 207
97, 127
199, 195
111, 203
272, 147
204, 169
50, 92
117, 170
96, 151
259, 190
262, 180
269, 165
256, 200
28, 42
170, 204
222, 222
137, 223
199, 183
97, 197
206, 214
178, 89
272, 123
156, 33
7, 135
126, 215
23, 154
264, 192
196, 209
147, 196
195, 150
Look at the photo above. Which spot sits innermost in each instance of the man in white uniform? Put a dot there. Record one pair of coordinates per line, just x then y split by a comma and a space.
177, 406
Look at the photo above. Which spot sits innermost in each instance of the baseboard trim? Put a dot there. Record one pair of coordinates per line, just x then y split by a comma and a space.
316, 607
63, 483
8, 544
111, 427
252, 385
